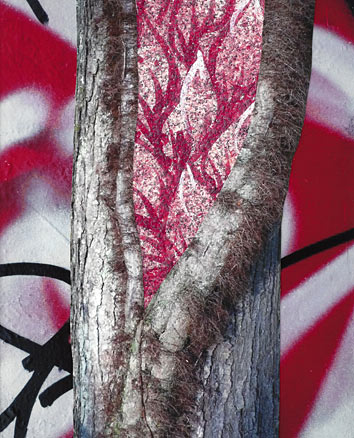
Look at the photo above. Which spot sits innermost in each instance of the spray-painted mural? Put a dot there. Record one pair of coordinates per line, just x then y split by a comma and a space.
192, 146
191, 128
37, 85
317, 319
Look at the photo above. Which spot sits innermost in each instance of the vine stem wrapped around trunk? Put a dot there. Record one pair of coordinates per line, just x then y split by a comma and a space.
151, 373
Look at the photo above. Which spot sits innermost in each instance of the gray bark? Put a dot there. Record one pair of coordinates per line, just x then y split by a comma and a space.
107, 298
153, 373
240, 374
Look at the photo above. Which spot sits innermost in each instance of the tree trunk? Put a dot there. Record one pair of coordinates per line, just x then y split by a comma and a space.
107, 297
240, 374
179, 368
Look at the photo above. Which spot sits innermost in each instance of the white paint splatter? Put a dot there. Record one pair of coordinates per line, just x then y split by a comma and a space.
288, 226
65, 132
23, 114
331, 93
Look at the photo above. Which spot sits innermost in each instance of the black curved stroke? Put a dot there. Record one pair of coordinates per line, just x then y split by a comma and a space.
42, 358
38, 11
317, 247
36, 269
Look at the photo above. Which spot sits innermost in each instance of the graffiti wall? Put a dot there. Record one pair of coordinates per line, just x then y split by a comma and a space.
37, 86
317, 319
196, 98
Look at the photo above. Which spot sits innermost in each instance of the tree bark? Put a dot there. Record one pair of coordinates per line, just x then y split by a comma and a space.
107, 299
154, 372
240, 374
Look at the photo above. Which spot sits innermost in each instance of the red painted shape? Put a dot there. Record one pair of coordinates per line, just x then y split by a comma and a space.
294, 275
322, 172
10, 206
37, 154
304, 367
58, 308
33, 56
336, 17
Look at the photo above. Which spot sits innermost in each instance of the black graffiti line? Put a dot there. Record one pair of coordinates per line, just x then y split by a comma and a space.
29, 346
36, 269
54, 391
38, 11
317, 247
18, 341
56, 351
22, 406
45, 270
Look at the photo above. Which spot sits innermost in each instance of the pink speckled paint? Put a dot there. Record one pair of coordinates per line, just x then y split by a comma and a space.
198, 68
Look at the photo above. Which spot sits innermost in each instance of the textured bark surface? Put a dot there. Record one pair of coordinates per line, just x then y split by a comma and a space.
139, 374
190, 309
240, 375
107, 297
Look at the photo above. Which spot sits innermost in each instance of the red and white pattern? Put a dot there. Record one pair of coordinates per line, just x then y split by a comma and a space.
198, 66
37, 86
317, 306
